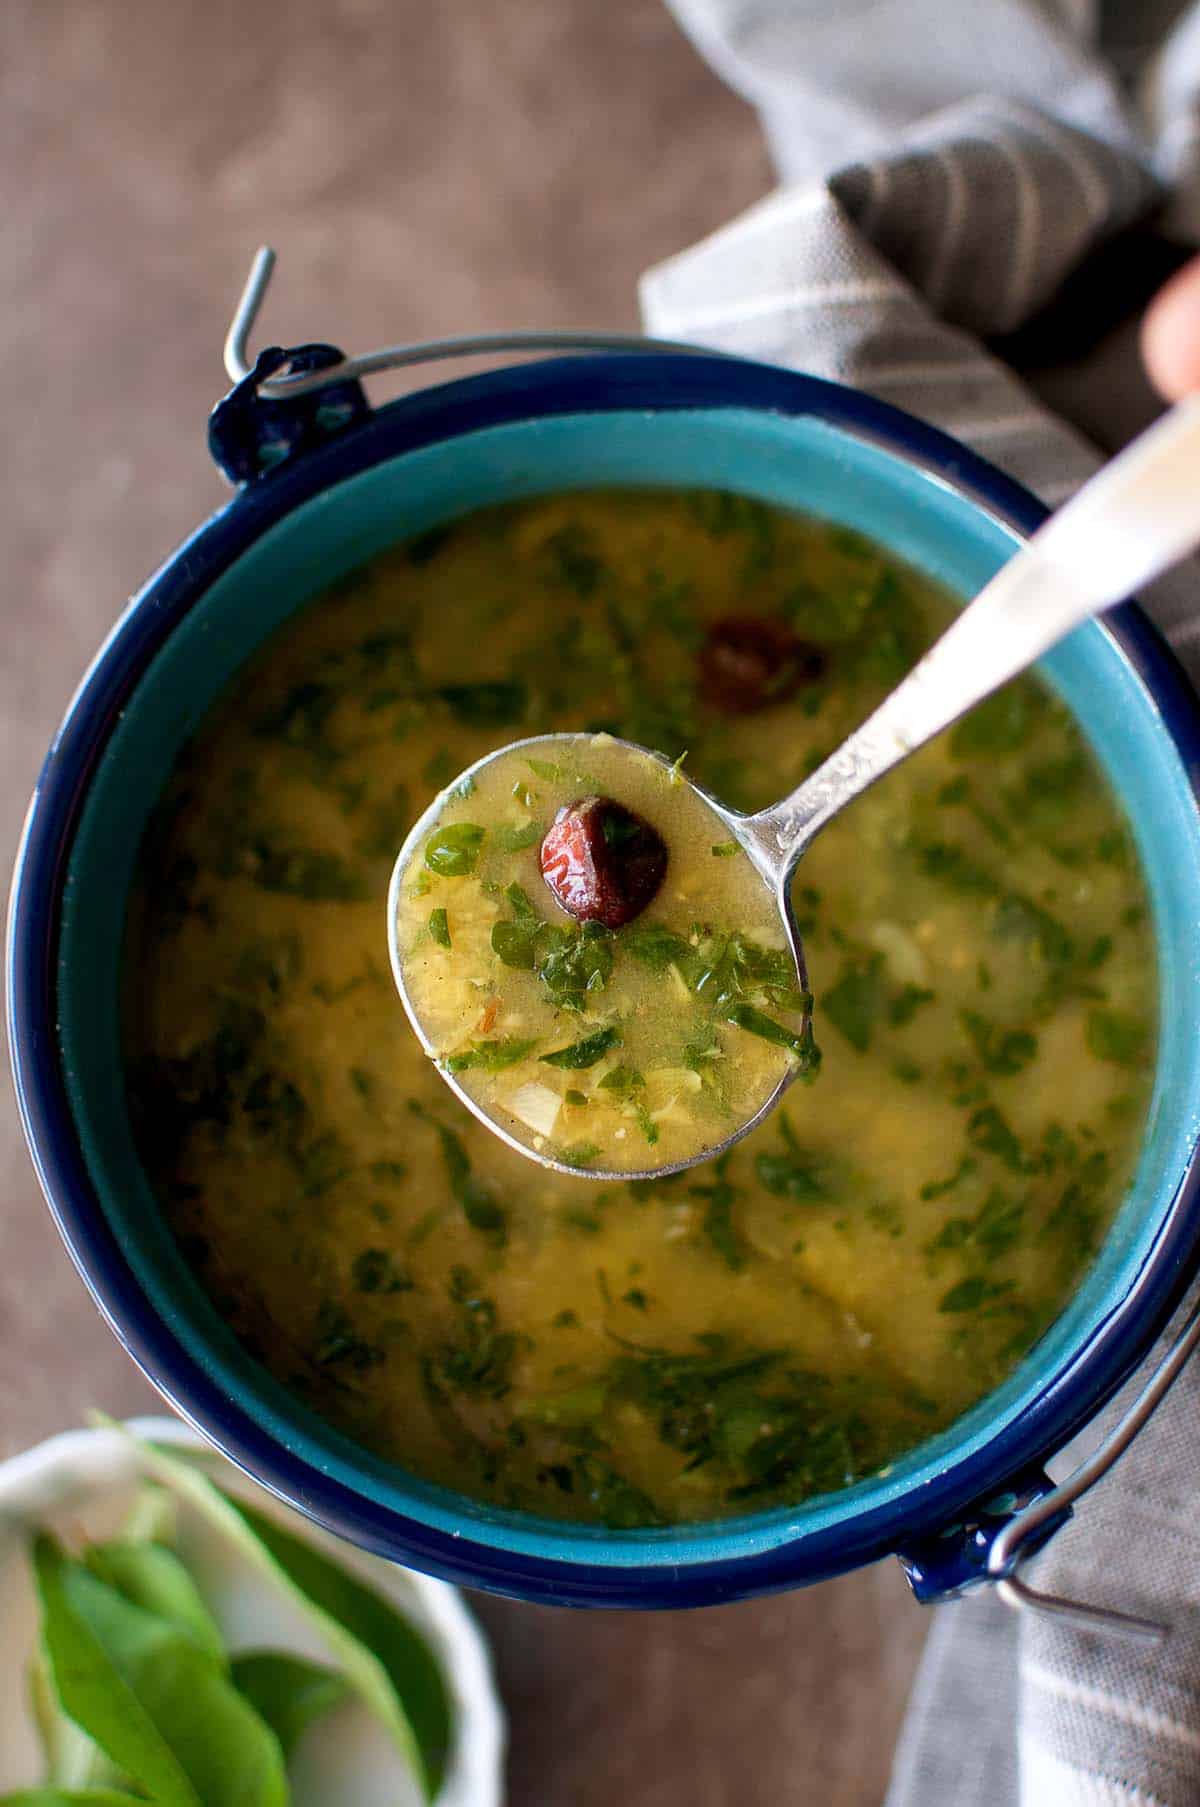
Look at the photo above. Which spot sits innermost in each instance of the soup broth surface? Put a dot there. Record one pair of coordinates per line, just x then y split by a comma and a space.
842, 1283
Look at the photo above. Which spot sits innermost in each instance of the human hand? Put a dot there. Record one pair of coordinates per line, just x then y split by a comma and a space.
1171, 335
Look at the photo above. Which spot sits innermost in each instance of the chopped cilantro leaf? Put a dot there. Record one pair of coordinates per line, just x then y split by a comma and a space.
950, 865
512, 838
375, 1271
577, 962
657, 947
480, 1363
491, 1056
646, 1123
486, 705
939, 1188
974, 1291
994, 1229
1019, 918
622, 1081
452, 850
907, 1001
513, 944
314, 874
989, 1131
796, 1172
584, 1053
479, 1204
389, 1173
1118, 1036
719, 1226
579, 1154
756, 1022
856, 1002
338, 1342
1002, 1051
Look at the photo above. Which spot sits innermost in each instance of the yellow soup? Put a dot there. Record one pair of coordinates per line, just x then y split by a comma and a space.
636, 1046
847, 1279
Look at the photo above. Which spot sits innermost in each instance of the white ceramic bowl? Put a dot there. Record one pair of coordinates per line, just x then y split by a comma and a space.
82, 1483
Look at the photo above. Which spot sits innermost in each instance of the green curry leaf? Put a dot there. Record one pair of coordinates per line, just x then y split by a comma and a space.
794, 1172
989, 1131
657, 947
1001, 1051
972, 1292
576, 963
154, 1702
623, 1081
152, 1577
73, 1760
491, 1056
720, 1199
1019, 918
452, 849
1118, 1036
53, 1796
856, 1002
757, 1022
584, 1053
514, 837
287, 1692
384, 1658
480, 1206
512, 943
489, 704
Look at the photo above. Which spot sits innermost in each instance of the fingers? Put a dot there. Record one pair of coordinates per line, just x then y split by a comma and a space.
1171, 335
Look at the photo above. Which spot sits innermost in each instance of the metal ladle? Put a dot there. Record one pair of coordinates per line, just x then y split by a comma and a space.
1133, 520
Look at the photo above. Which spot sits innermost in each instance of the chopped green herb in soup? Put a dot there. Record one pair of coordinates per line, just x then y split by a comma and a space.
778, 1323
591, 1014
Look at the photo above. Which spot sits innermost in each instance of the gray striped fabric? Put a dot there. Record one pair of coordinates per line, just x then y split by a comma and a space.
947, 166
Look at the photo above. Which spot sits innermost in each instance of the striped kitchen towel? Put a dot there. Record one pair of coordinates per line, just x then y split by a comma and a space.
945, 169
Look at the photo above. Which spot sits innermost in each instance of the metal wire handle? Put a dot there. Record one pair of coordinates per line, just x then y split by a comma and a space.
396, 357
1005, 1556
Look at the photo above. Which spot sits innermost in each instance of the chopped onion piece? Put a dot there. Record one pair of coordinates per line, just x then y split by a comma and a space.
680, 982
536, 1106
672, 1080
901, 952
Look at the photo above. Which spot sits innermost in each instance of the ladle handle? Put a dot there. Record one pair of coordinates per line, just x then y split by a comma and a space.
1137, 517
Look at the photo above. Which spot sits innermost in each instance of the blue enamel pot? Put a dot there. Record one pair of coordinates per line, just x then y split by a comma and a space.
327, 485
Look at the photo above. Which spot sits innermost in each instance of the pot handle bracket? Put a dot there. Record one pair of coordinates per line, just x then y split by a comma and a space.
286, 402
954, 1560
993, 1541
250, 435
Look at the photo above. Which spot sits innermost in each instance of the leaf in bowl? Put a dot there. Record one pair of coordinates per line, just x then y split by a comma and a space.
153, 1700
288, 1692
385, 1659
52, 1796
152, 1577
73, 1760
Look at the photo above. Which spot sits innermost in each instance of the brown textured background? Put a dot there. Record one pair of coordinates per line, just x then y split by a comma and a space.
420, 168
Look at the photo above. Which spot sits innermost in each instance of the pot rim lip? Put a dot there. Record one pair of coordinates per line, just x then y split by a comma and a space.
639, 381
